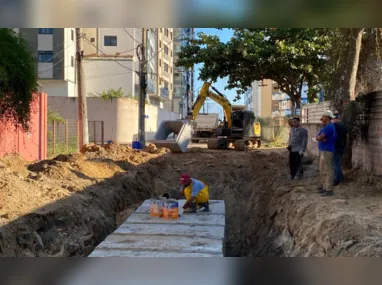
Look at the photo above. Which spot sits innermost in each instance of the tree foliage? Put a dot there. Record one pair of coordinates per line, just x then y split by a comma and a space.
18, 79
289, 57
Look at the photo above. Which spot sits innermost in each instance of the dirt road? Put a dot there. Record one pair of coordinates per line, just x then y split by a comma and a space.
66, 206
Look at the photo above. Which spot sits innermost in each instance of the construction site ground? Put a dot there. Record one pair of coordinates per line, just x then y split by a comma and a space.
67, 205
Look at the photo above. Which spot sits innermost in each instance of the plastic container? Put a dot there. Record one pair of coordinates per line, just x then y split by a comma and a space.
171, 210
137, 145
156, 208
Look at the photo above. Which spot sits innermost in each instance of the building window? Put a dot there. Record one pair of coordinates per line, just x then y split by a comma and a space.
166, 32
92, 40
110, 41
165, 84
45, 31
166, 49
171, 86
171, 35
160, 62
45, 56
72, 61
160, 44
171, 70
72, 34
171, 53
165, 67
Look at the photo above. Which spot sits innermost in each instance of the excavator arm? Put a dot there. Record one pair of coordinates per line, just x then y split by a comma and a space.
218, 98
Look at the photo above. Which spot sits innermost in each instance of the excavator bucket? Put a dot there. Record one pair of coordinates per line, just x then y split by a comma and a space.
174, 135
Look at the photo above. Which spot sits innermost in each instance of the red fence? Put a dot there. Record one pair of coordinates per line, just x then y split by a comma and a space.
31, 145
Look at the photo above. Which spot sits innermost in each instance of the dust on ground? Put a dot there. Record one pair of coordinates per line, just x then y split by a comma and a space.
67, 205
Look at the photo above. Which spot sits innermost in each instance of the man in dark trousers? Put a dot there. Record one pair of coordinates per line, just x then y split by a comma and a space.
298, 144
339, 150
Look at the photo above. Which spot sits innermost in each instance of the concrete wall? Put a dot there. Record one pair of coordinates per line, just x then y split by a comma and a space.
30, 145
369, 155
120, 116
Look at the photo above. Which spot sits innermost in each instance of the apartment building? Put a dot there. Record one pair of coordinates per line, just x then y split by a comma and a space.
183, 77
110, 60
55, 53
165, 67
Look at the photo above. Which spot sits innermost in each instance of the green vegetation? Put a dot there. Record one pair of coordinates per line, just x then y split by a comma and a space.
18, 79
61, 148
290, 57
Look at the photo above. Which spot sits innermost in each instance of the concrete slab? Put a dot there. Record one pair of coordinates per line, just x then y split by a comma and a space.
131, 253
192, 235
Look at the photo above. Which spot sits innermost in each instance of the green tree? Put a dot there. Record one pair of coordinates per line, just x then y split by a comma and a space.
290, 57
18, 79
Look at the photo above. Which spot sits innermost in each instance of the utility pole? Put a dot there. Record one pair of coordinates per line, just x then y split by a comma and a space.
142, 96
82, 104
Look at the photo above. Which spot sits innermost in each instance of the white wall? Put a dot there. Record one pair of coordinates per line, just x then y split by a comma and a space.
102, 75
120, 116
124, 41
256, 99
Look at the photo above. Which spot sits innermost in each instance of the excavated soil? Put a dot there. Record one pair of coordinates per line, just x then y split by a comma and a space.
68, 205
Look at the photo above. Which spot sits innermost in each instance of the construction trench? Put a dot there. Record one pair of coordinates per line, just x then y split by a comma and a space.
66, 206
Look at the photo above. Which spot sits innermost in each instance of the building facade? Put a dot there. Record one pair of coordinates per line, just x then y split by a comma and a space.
55, 53
165, 67
111, 62
259, 100
183, 77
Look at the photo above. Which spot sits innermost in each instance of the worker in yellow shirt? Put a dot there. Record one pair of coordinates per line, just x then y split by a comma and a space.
196, 193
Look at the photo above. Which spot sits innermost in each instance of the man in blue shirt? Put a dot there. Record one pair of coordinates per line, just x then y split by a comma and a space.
326, 145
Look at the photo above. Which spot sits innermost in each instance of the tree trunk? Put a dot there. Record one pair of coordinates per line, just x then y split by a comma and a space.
355, 49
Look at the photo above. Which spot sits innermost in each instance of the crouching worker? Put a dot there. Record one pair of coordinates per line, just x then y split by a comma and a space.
196, 193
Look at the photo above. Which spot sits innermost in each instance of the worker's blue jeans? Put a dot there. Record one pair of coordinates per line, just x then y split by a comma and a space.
338, 175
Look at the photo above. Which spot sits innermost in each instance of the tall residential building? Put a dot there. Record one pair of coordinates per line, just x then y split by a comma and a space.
165, 67
183, 77
55, 53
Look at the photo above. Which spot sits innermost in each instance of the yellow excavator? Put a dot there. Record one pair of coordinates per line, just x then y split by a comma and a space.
238, 130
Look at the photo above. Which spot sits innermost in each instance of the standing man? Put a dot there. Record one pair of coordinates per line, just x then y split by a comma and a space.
298, 144
291, 125
326, 145
339, 149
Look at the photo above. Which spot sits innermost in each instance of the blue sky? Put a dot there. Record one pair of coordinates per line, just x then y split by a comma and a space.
224, 35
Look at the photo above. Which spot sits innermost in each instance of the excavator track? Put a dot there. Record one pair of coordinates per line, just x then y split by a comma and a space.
220, 143
241, 145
